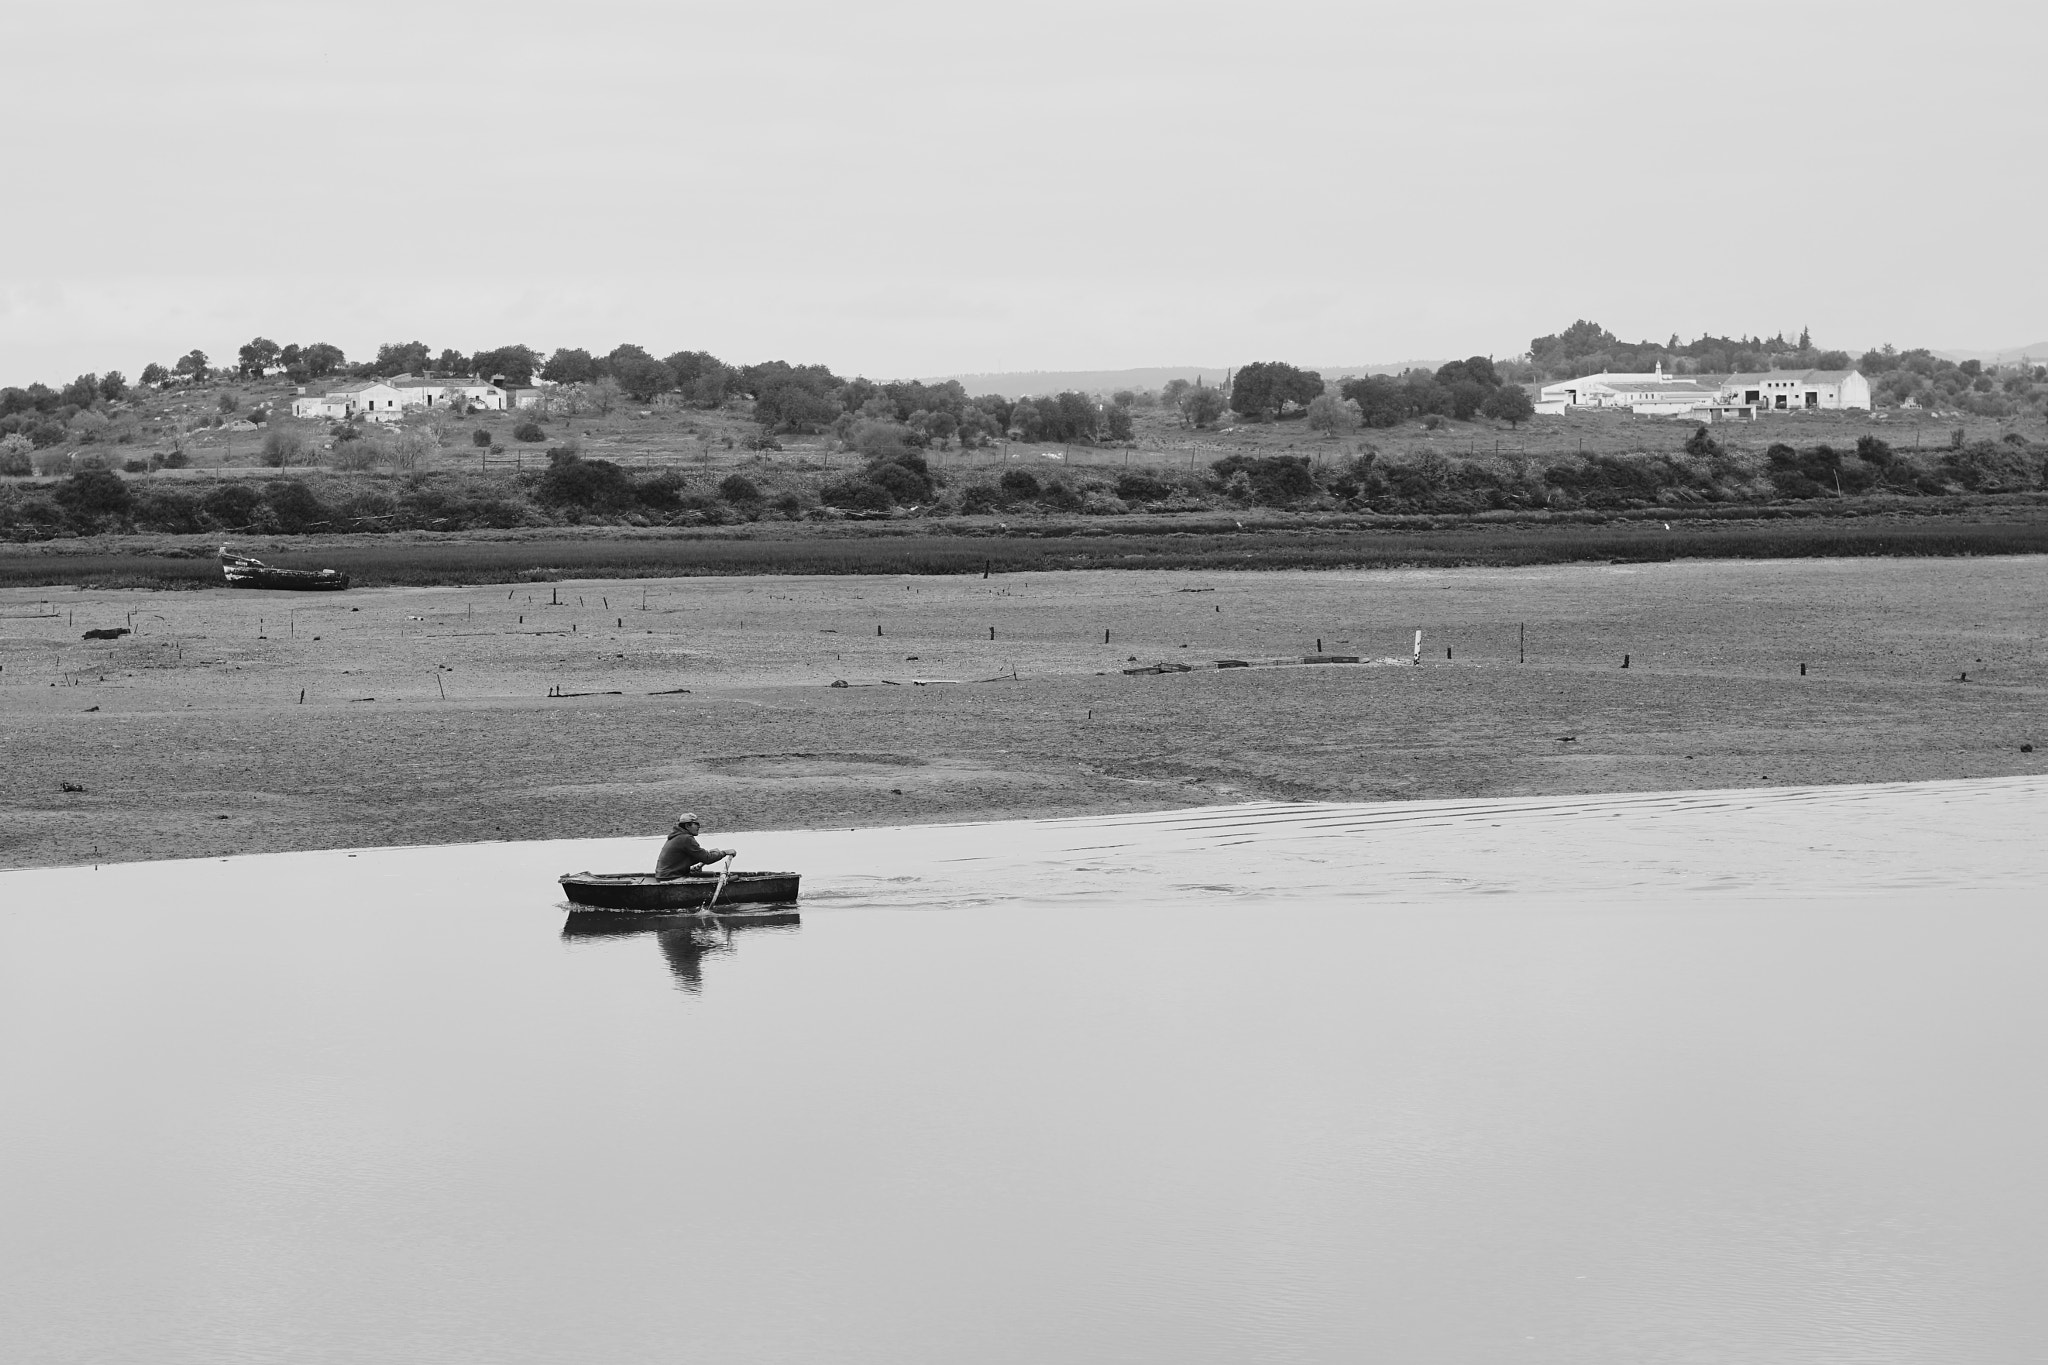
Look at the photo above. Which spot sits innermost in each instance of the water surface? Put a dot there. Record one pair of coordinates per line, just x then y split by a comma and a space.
331, 1108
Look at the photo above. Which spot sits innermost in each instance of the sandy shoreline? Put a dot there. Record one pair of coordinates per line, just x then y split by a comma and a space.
428, 717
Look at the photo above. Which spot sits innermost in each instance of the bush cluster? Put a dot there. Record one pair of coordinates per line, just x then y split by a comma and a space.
94, 498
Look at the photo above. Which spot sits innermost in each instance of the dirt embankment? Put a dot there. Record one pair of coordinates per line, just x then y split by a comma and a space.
434, 715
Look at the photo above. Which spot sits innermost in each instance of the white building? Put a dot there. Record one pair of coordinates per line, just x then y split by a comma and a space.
387, 401
439, 393
372, 398
1654, 394
1798, 390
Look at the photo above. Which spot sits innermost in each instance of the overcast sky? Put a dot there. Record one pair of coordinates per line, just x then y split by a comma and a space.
917, 189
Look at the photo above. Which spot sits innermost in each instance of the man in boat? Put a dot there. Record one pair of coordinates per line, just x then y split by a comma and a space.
683, 856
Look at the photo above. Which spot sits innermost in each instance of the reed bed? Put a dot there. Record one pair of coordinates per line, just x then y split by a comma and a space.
379, 562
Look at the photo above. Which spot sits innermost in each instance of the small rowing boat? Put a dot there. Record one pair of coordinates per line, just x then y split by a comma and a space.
242, 571
646, 894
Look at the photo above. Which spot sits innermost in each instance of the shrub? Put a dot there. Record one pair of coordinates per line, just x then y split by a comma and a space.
1873, 450
171, 510
1060, 496
1138, 486
136, 466
480, 438
529, 431
46, 434
905, 483
231, 505
789, 505
296, 507
94, 493
14, 459
1701, 444
176, 458
589, 485
282, 447
663, 492
414, 446
977, 498
1018, 485
228, 402
1272, 479
739, 489
857, 493
1990, 467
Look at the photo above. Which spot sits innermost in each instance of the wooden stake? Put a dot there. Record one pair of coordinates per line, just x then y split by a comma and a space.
1522, 645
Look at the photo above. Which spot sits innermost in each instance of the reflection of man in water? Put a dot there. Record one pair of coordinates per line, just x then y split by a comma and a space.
683, 856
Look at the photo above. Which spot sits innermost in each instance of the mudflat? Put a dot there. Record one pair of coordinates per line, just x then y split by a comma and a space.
234, 722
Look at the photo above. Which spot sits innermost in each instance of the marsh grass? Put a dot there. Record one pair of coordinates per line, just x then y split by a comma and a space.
387, 563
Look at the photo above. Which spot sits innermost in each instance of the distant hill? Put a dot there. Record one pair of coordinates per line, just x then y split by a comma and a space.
1018, 383
2038, 353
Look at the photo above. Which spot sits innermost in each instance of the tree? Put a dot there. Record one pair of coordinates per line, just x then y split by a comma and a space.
1116, 422
154, 374
1265, 388
1326, 412
1509, 403
228, 403
529, 431
257, 356
82, 392
642, 376
1382, 400
452, 361
400, 357
113, 384
322, 359
568, 366
193, 364
513, 364
1478, 369
1200, 407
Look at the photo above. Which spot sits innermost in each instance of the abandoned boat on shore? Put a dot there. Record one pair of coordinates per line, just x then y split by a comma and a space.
242, 571
646, 894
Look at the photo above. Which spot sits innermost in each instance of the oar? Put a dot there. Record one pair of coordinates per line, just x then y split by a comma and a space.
723, 873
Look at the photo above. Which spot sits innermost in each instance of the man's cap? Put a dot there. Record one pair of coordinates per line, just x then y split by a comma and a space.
688, 817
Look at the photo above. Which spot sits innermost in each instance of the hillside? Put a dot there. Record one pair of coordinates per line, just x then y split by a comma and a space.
1026, 383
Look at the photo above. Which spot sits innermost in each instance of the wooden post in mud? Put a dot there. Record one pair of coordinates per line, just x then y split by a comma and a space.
1522, 645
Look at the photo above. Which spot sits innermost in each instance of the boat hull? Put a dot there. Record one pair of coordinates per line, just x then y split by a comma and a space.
641, 893
288, 580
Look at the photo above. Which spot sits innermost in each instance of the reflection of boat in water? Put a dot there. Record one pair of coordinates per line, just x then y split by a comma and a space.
684, 939
642, 892
241, 571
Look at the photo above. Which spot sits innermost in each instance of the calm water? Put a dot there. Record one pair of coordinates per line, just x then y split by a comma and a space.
383, 1108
